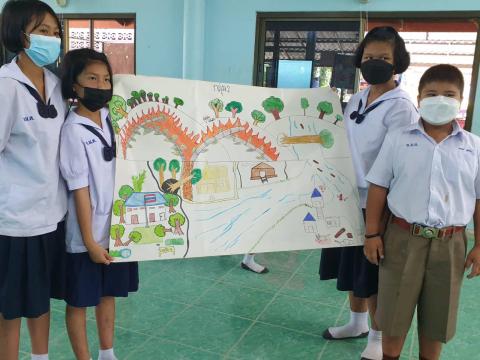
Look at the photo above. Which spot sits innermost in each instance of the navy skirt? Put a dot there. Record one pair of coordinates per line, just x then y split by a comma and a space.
88, 282
351, 269
32, 271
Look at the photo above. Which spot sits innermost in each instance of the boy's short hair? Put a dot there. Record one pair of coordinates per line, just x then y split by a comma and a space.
16, 15
401, 57
444, 73
74, 62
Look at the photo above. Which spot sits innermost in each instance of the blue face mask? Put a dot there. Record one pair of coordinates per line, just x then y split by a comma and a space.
43, 50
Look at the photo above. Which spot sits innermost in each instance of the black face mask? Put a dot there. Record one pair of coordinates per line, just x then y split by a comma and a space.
376, 71
95, 99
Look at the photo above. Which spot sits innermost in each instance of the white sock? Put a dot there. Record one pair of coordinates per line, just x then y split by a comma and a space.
249, 260
373, 351
39, 357
357, 325
107, 354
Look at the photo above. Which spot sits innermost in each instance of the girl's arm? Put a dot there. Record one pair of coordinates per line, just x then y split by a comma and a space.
84, 216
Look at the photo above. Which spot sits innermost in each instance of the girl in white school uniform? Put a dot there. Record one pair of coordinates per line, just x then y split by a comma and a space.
87, 162
33, 205
369, 115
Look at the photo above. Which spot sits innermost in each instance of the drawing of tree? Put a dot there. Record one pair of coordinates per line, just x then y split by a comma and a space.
178, 102
234, 107
137, 97
172, 200
194, 177
324, 107
118, 108
157, 97
119, 205
325, 138
217, 106
174, 168
176, 221
338, 118
165, 100
143, 95
160, 165
150, 96
258, 117
118, 210
131, 102
304, 104
138, 181
116, 233
134, 236
159, 231
274, 106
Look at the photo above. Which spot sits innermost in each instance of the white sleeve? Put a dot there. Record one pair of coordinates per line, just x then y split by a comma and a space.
7, 118
73, 158
402, 114
381, 172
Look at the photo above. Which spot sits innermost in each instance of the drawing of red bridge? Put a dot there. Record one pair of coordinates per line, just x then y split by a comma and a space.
166, 122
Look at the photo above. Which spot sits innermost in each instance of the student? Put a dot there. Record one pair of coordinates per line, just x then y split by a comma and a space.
33, 205
431, 173
87, 162
369, 115
249, 263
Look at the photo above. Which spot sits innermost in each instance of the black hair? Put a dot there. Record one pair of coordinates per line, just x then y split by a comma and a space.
444, 73
401, 57
16, 16
74, 62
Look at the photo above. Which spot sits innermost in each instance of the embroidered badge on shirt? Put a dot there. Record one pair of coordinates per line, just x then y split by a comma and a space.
412, 144
28, 118
90, 142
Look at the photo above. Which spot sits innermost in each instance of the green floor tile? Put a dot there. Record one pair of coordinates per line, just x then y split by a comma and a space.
300, 315
309, 287
271, 281
205, 329
270, 342
146, 313
284, 261
235, 300
165, 350
177, 287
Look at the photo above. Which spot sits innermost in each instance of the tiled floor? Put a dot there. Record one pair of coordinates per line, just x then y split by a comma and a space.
209, 308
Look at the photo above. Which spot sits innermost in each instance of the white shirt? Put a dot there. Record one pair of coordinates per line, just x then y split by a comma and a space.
366, 138
82, 165
430, 184
33, 192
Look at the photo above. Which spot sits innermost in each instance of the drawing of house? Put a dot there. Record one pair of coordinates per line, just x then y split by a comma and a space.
214, 180
142, 204
262, 172
317, 202
309, 224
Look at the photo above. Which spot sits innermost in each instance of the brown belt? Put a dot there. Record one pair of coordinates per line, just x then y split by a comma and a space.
426, 231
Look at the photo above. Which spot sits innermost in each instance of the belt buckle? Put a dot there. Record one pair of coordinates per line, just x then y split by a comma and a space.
429, 232
426, 232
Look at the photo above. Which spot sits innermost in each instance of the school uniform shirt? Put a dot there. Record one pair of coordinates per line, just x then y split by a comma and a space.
394, 110
32, 189
82, 164
433, 184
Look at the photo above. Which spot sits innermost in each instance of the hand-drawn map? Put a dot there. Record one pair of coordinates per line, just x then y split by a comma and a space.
208, 169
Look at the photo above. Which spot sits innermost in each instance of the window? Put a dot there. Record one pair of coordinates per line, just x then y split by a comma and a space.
319, 53
113, 36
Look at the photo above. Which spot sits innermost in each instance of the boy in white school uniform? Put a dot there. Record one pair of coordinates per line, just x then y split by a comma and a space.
429, 174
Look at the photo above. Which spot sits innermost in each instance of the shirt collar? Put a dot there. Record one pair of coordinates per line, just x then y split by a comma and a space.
418, 126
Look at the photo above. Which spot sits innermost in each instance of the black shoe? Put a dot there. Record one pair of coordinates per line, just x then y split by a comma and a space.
327, 336
246, 267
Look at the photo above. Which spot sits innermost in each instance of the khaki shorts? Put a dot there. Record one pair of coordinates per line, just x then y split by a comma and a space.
420, 273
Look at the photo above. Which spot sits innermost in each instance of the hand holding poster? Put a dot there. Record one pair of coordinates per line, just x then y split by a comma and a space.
208, 169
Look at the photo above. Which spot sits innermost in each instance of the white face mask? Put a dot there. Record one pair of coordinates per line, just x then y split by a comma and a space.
439, 110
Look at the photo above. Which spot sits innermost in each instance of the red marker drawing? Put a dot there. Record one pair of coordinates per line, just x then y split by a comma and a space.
332, 175
339, 232
349, 235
